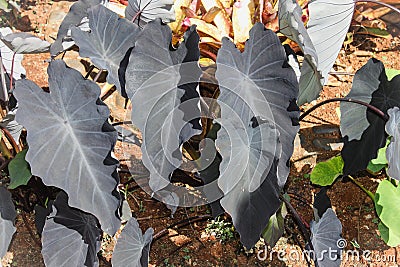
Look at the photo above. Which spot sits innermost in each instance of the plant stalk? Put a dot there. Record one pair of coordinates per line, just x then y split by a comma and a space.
301, 225
376, 110
369, 193
3, 82
12, 72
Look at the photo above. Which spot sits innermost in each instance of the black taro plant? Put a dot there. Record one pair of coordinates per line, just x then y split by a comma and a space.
247, 126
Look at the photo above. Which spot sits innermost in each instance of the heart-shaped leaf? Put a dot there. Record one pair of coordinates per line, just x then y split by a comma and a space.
371, 86
327, 27
325, 173
154, 78
325, 236
107, 43
7, 218
258, 126
70, 237
145, 11
70, 124
264, 83
132, 248
393, 150
77, 12
387, 198
25, 43
19, 170
291, 25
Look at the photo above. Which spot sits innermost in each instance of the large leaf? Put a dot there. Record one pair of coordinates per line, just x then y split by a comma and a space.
393, 150
325, 173
153, 80
353, 119
70, 237
259, 123
69, 124
327, 27
7, 56
145, 11
371, 86
291, 25
132, 248
107, 43
387, 199
7, 218
264, 83
325, 239
25, 43
19, 170
77, 12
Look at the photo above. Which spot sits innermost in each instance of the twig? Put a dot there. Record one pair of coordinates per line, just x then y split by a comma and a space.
181, 224
376, 110
91, 68
98, 75
121, 123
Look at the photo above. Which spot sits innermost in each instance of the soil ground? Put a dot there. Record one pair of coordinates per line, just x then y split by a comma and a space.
188, 244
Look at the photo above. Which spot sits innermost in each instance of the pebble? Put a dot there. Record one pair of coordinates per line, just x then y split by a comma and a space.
326, 130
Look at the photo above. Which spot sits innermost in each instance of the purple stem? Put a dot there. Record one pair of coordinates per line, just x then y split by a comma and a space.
376, 110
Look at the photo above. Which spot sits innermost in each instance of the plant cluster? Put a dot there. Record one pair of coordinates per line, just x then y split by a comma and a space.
231, 109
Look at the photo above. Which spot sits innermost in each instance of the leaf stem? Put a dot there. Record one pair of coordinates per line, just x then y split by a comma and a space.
300, 222
380, 3
10, 139
3, 82
376, 110
98, 75
369, 193
12, 71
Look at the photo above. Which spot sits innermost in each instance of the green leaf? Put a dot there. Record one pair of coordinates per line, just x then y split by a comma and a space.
381, 157
4, 5
325, 173
275, 227
376, 32
380, 162
387, 199
391, 73
19, 169
375, 168
384, 232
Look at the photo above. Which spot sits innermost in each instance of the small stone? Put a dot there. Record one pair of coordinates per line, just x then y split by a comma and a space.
368, 216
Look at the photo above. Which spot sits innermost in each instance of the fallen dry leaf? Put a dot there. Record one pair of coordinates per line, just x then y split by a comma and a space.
243, 11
